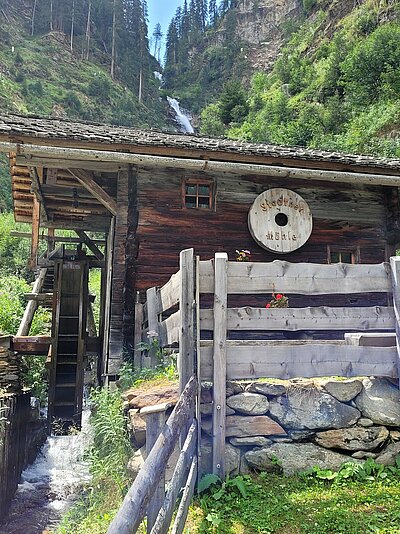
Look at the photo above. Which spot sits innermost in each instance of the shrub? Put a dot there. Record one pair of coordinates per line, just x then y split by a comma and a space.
100, 87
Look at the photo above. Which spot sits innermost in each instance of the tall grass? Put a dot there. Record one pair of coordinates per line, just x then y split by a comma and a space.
108, 457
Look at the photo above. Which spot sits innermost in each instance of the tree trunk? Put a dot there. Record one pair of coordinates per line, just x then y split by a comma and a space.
72, 25
51, 15
141, 84
88, 30
33, 17
113, 52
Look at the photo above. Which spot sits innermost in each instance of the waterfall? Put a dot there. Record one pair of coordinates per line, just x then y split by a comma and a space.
182, 119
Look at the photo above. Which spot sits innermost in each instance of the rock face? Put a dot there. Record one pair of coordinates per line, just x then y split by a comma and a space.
380, 401
295, 457
312, 409
248, 403
343, 390
353, 439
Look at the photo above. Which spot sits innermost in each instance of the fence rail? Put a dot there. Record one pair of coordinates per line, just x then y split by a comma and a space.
147, 494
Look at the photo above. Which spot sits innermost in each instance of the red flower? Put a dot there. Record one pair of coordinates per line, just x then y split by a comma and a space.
268, 305
279, 297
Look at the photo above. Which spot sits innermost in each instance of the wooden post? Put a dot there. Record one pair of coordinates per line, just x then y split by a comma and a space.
219, 386
107, 296
155, 421
137, 359
186, 303
32, 305
35, 233
395, 265
152, 317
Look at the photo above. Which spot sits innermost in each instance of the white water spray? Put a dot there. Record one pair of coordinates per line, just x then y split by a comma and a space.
181, 117
61, 467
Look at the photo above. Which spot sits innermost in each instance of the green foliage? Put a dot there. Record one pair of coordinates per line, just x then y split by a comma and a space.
233, 105
362, 499
100, 86
14, 251
338, 94
211, 124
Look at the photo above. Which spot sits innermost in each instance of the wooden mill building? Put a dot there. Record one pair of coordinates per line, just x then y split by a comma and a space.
147, 195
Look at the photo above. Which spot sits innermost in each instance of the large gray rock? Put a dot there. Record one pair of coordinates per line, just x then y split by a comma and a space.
353, 439
389, 454
343, 390
251, 441
379, 400
295, 457
267, 388
311, 409
248, 403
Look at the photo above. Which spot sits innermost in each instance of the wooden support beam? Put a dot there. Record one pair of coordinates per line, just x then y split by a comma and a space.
186, 305
32, 305
87, 180
196, 164
90, 244
35, 234
31, 345
36, 188
56, 239
219, 357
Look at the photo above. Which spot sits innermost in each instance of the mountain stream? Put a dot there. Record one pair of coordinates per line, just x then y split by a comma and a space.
50, 485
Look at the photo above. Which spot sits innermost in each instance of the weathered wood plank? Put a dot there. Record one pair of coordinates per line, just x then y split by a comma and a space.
187, 496
368, 339
169, 329
151, 296
219, 361
133, 508
31, 345
155, 422
186, 336
32, 305
164, 518
290, 360
300, 278
169, 293
314, 318
395, 267
137, 361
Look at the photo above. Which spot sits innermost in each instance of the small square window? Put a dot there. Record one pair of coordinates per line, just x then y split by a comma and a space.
198, 194
342, 256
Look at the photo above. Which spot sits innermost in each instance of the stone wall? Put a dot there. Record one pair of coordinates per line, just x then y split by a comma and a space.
10, 368
293, 425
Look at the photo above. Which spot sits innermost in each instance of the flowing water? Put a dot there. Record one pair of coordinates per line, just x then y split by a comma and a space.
50, 485
182, 119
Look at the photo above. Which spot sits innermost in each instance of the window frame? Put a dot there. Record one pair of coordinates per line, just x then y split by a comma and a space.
333, 249
198, 182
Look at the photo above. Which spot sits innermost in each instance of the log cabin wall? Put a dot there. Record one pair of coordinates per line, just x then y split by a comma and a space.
346, 217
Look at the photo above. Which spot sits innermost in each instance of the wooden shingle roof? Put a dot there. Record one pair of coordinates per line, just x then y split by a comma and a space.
72, 133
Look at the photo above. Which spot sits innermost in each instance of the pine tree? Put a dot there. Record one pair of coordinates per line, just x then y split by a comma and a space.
157, 39
213, 12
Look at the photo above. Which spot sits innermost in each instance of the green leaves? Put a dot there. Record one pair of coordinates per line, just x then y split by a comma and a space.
207, 481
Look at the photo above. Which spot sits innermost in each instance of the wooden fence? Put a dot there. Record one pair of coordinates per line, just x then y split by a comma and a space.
148, 494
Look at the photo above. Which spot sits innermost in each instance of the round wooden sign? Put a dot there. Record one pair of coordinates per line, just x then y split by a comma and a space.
280, 220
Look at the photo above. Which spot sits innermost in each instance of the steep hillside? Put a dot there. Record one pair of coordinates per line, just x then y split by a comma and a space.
59, 62
316, 73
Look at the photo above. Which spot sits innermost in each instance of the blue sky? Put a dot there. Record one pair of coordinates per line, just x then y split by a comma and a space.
161, 11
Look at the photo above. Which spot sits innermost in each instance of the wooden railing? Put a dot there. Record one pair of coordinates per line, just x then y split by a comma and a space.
235, 350
148, 495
